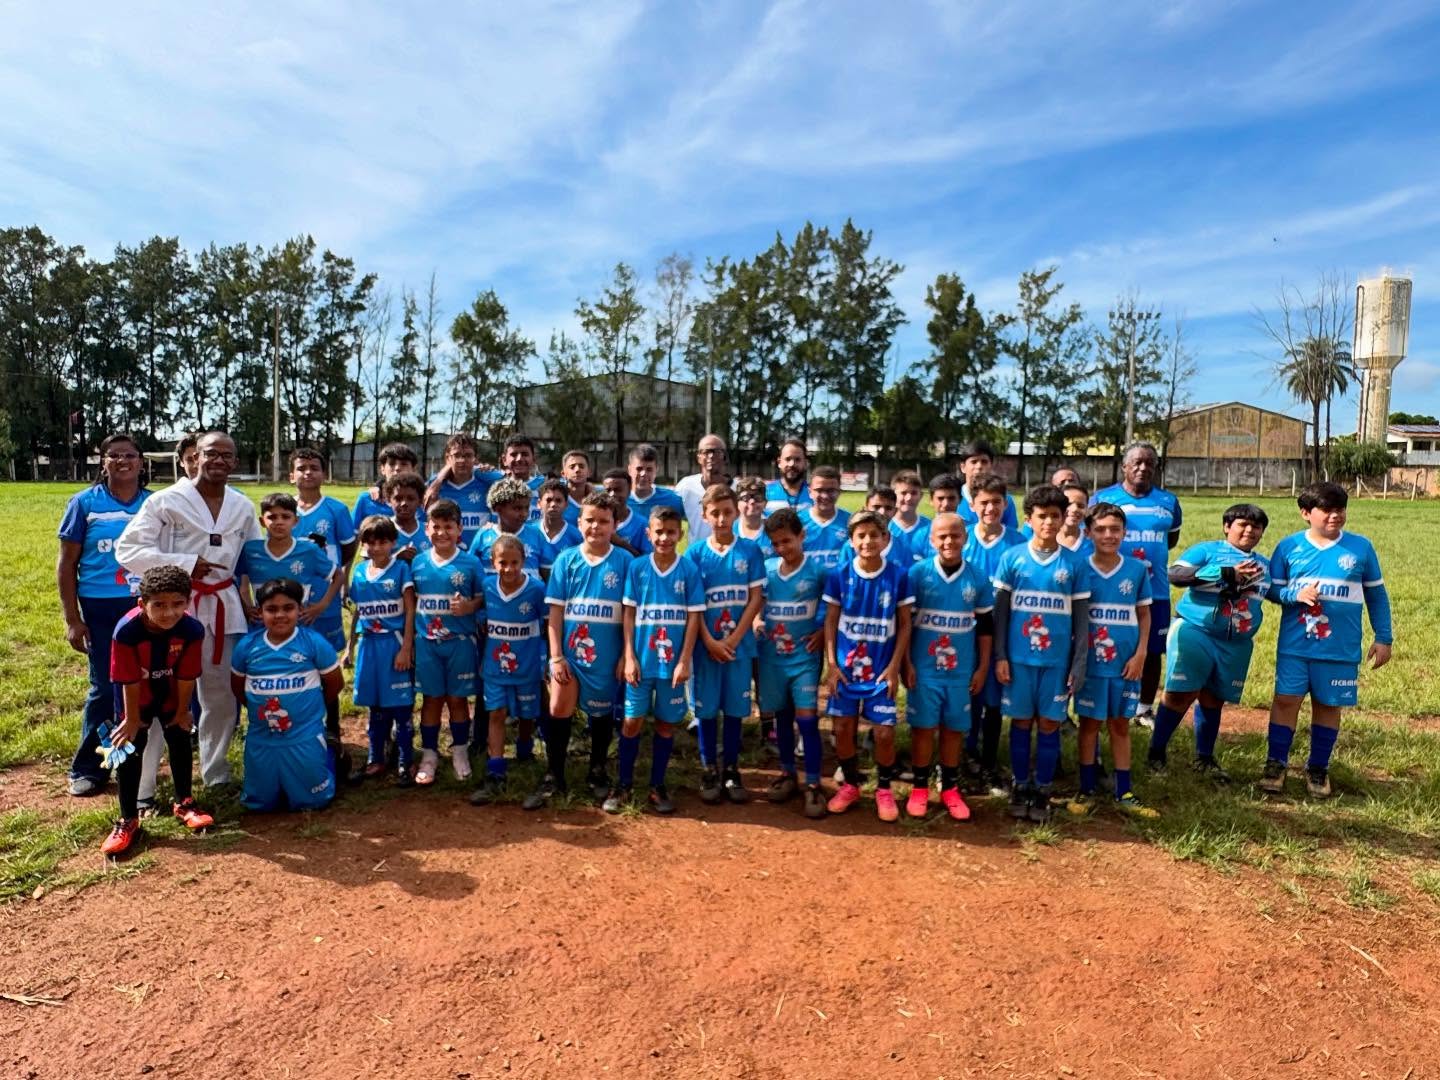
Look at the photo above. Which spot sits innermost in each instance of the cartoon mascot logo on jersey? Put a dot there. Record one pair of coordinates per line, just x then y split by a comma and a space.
275, 715
435, 629
943, 650
1139, 553
1102, 644
859, 663
1037, 633
376, 627
1242, 619
1315, 621
663, 647
725, 625
581, 645
505, 657
784, 641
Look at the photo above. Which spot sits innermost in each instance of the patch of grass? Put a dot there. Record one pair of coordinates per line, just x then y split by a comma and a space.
33, 846
1428, 882
1362, 891
314, 828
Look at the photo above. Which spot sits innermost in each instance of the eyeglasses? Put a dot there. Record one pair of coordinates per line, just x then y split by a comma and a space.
710, 450
218, 455
122, 457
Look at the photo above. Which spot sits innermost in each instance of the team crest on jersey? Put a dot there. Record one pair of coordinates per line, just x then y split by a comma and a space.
526, 607
581, 645
1347, 562
322, 527
783, 640
679, 587
1127, 587
662, 646
742, 565
387, 585
297, 568
298, 657
473, 497
275, 715
611, 579
884, 599
457, 579
968, 593
1315, 621
1103, 644
1062, 575
802, 587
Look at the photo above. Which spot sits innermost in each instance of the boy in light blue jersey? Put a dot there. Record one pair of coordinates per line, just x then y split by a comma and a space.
280, 555
395, 458
575, 467
586, 631
881, 501
285, 675
791, 648
405, 492
977, 459
449, 590
325, 522
732, 572
750, 519
645, 495
382, 647
630, 527
989, 538
952, 635
517, 458
1119, 633
1042, 624
867, 633
552, 534
1322, 578
825, 523
1212, 635
664, 603
908, 523
513, 657
509, 502
464, 483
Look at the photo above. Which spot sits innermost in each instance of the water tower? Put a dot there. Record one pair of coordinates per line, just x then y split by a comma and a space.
1382, 331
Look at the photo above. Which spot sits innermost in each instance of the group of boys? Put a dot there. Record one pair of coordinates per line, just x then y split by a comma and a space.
555, 599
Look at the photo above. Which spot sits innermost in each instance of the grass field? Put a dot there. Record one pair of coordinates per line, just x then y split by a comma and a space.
1380, 830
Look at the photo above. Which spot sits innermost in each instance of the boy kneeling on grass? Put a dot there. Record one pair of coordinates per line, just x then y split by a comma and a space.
154, 662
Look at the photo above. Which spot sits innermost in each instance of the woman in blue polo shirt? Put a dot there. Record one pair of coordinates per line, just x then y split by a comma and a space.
95, 592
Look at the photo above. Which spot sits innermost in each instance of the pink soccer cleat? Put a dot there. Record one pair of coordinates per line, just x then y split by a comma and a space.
954, 804
847, 796
885, 805
919, 801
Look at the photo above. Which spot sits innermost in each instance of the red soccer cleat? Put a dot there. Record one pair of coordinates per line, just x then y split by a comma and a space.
842, 800
121, 837
192, 815
954, 804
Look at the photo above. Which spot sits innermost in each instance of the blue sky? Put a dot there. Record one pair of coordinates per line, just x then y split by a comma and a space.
1199, 153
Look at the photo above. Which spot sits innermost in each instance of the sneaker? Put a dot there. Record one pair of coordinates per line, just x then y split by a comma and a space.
847, 796
460, 759
490, 789
371, 770
192, 816
918, 804
1317, 782
904, 769
404, 777
1130, 803
1080, 805
1209, 769
541, 796
814, 802
1272, 781
783, 789
121, 837
145, 807
615, 800
886, 808
1145, 718
599, 784
735, 789
1038, 808
995, 785
82, 787
972, 771
710, 791
428, 768
1019, 801
1156, 764
955, 804
660, 800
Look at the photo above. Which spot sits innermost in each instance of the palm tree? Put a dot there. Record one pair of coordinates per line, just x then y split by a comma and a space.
1304, 372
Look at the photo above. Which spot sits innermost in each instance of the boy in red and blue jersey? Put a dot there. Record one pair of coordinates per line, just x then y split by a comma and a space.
1322, 578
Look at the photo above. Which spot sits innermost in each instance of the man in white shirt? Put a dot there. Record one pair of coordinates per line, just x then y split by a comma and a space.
711, 457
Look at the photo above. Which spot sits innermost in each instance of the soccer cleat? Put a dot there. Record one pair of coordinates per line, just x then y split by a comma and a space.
783, 789
710, 791
1019, 801
1157, 764
404, 778
1272, 781
1209, 769
429, 766
490, 789
84, 786
371, 770
192, 816
814, 802
1080, 805
845, 797
886, 808
660, 800
1038, 808
615, 800
460, 759
955, 804
918, 804
1317, 782
1145, 717
735, 789
973, 772
1129, 803
145, 807
121, 837
996, 787
599, 784
541, 796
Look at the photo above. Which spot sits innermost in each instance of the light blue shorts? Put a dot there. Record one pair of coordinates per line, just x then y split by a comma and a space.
1199, 661
598, 697
721, 688
1104, 698
333, 631
1036, 691
446, 668
377, 685
875, 706
1328, 682
521, 702
288, 774
931, 705
779, 686
656, 697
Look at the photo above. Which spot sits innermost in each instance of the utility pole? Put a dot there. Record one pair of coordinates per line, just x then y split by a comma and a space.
1133, 320
275, 402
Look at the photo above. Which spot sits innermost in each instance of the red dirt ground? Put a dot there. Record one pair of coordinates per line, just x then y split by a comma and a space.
424, 938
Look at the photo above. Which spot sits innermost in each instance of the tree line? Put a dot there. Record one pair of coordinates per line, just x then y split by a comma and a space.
797, 338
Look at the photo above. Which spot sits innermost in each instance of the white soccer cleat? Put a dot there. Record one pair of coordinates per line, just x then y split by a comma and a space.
460, 758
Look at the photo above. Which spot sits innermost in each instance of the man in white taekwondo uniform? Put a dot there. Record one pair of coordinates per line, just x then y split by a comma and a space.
200, 526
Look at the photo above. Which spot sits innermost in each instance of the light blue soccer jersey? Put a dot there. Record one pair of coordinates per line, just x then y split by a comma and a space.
546, 547
761, 540
663, 601
515, 645
484, 544
94, 519
967, 512
659, 496
329, 521
916, 537
728, 576
591, 593
986, 557
366, 505
942, 635
1347, 573
417, 539
1041, 588
436, 581
1115, 601
302, 561
1149, 521
1203, 604
283, 695
897, 550
792, 613
470, 497
865, 634
633, 531
777, 498
823, 540
379, 596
